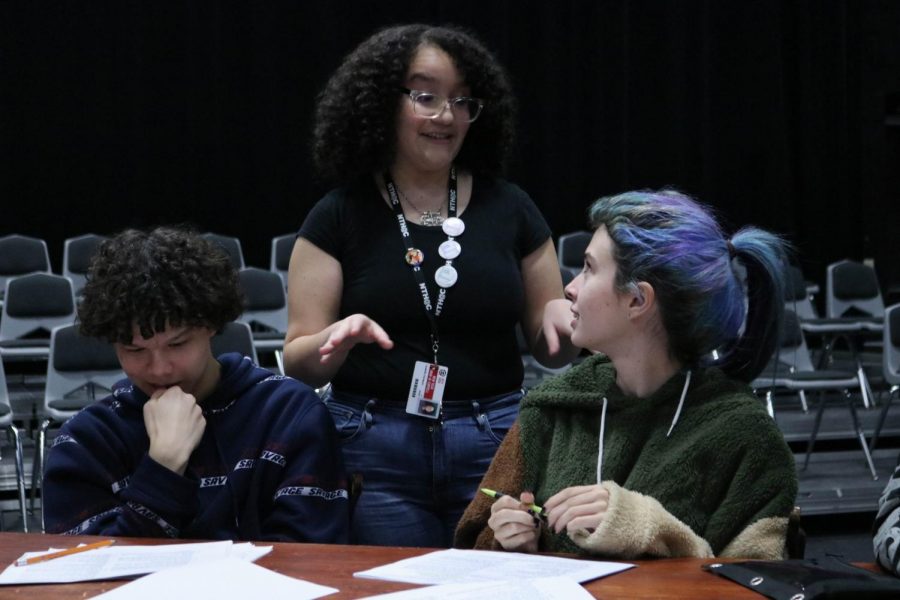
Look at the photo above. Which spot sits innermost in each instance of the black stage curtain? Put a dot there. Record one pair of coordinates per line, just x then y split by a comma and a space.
117, 114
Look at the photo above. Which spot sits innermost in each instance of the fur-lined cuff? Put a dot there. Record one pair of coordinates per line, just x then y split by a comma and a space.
638, 525
763, 539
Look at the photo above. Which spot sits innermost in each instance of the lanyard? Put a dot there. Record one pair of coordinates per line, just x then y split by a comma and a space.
414, 256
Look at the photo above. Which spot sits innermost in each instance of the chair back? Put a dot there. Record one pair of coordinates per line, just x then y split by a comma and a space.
36, 302
851, 290
6, 414
796, 296
570, 252
77, 254
234, 337
793, 351
891, 352
20, 254
231, 246
6, 422
280, 259
80, 370
265, 299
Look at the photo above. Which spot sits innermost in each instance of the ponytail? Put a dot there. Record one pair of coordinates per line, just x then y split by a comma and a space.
764, 256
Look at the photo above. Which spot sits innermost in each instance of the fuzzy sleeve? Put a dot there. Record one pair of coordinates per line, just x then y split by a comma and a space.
887, 526
638, 525
504, 475
751, 519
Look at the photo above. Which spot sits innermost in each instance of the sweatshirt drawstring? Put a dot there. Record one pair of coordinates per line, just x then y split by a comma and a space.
684, 390
600, 450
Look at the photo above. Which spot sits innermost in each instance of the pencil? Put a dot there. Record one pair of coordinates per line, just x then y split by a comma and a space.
41, 558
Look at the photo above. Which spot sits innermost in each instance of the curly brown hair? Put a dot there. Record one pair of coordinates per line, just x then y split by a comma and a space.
356, 114
164, 277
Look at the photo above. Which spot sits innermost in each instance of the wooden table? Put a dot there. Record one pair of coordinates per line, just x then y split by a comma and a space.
334, 565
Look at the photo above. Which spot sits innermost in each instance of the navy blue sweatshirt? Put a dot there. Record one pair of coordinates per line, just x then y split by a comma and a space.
267, 468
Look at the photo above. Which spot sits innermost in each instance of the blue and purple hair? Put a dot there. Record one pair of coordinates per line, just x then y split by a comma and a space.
675, 244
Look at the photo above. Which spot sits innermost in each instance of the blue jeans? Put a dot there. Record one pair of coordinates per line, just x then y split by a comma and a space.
418, 474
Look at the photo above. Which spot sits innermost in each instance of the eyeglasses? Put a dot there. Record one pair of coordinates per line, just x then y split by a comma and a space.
432, 106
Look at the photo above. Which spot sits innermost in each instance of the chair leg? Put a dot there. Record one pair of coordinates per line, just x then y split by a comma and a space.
37, 471
864, 388
802, 395
861, 436
20, 475
770, 408
882, 417
812, 437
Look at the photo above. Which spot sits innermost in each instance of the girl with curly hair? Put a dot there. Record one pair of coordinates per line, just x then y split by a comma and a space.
407, 281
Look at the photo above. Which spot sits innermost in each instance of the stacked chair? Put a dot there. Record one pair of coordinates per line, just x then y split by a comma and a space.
6, 422
80, 370
792, 369
891, 364
570, 252
20, 255
34, 305
77, 254
231, 245
265, 310
280, 257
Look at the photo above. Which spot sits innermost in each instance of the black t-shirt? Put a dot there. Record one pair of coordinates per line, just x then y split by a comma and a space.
477, 324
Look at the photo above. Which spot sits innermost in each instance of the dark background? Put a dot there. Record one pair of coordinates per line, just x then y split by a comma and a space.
781, 114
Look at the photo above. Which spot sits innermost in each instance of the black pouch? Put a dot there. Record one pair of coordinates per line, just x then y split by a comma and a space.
808, 579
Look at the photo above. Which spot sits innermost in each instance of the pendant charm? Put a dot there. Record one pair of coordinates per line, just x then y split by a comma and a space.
414, 257
431, 218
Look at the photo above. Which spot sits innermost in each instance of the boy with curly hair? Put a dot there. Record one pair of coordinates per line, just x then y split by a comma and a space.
189, 445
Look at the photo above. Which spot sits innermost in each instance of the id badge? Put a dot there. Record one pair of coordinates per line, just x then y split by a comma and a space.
426, 390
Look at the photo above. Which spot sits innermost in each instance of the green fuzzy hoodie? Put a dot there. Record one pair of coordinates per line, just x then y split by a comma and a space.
725, 471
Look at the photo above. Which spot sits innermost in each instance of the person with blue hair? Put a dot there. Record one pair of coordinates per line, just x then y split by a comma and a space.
655, 445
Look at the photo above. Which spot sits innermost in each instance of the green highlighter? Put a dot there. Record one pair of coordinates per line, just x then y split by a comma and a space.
533, 508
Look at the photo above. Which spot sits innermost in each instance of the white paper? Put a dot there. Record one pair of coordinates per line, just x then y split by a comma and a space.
115, 562
544, 588
467, 566
225, 579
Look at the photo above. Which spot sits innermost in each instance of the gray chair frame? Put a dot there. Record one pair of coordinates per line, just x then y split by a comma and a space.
890, 364
794, 371
20, 255
280, 257
34, 302
234, 337
570, 251
78, 367
6, 422
231, 245
265, 310
796, 294
865, 299
77, 254
839, 299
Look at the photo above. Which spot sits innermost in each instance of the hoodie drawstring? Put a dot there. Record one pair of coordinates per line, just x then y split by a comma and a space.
684, 391
600, 450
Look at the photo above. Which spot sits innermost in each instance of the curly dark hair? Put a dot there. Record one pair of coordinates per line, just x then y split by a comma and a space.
155, 279
356, 114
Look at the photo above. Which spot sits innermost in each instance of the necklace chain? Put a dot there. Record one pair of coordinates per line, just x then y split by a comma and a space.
428, 218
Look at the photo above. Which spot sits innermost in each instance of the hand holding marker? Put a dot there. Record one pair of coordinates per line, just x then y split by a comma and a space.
535, 510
